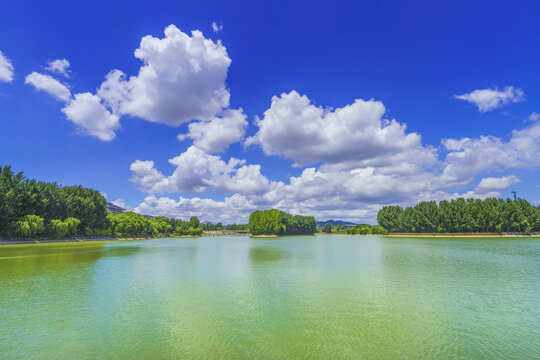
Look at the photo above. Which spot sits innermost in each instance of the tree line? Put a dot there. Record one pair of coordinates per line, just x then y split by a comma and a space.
33, 209
30, 208
462, 215
276, 222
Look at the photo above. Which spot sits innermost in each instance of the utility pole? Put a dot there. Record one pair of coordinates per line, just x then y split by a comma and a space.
514, 192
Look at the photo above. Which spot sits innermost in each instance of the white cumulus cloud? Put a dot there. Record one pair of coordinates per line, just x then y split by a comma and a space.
468, 157
50, 85
6, 68
235, 208
196, 171
216, 135
294, 128
182, 79
489, 99
495, 184
91, 117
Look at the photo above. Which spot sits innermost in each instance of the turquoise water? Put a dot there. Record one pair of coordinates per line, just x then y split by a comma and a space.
319, 297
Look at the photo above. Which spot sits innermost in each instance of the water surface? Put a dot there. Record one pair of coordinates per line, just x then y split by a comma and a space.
320, 297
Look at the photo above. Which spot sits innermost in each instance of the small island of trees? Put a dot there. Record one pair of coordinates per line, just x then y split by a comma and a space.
461, 215
276, 222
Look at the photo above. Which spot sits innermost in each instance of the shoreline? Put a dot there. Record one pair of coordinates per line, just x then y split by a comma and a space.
70, 240
105, 239
460, 236
79, 240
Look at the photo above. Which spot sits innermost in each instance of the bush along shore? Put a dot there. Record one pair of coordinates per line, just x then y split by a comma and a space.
362, 229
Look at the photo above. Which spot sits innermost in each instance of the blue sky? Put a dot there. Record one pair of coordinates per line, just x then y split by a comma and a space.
330, 109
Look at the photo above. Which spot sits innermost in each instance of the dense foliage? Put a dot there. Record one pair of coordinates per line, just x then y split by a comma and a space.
133, 224
28, 207
220, 226
130, 224
327, 228
366, 229
280, 223
462, 215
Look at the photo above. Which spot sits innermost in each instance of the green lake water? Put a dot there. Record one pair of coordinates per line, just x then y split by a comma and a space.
316, 297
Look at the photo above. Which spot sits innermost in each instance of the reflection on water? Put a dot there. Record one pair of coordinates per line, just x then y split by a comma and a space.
266, 253
322, 297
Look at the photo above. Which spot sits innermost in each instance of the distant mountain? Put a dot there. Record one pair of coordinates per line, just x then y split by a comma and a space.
334, 223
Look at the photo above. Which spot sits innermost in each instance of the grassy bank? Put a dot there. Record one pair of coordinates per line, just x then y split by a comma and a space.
70, 240
74, 240
462, 235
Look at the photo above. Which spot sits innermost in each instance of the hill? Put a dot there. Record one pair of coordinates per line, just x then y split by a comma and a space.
321, 223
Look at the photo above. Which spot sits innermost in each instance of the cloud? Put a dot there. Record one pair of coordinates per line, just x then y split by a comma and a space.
402, 177
235, 208
386, 165
58, 66
468, 157
84, 109
313, 193
122, 203
495, 184
6, 68
92, 118
216, 135
216, 28
490, 99
147, 178
182, 79
50, 85
196, 172
294, 128
534, 117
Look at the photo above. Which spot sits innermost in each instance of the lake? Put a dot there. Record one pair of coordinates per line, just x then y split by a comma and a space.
317, 297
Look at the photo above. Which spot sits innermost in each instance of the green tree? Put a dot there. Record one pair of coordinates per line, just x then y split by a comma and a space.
463, 215
59, 228
29, 226
73, 225
194, 222
161, 224
280, 223
327, 228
